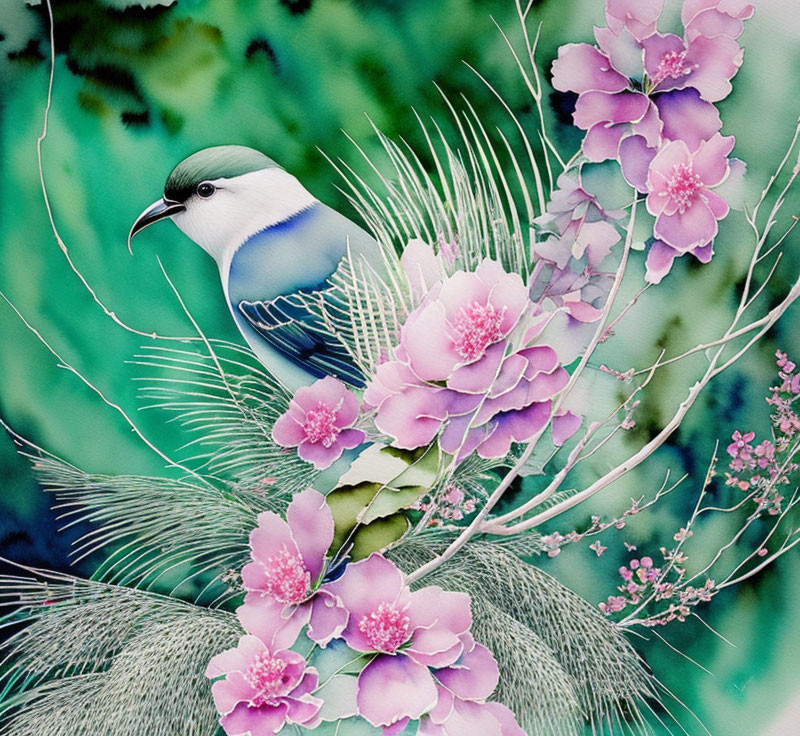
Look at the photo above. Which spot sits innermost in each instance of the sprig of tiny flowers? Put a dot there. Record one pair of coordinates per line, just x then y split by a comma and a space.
766, 467
760, 470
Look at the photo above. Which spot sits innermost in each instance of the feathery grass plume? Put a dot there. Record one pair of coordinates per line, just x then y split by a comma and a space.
470, 211
93, 659
609, 679
229, 402
156, 530
529, 668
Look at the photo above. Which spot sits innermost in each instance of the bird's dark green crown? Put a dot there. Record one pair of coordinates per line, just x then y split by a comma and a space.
213, 163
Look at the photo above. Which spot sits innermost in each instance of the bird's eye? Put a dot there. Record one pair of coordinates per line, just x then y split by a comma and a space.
205, 189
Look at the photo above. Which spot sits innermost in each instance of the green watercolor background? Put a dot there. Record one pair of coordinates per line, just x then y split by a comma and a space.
136, 89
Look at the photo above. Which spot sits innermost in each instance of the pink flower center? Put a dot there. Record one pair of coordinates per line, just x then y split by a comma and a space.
386, 628
288, 581
477, 326
320, 425
266, 676
683, 186
672, 65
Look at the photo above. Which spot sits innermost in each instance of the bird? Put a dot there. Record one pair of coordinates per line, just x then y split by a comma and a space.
276, 246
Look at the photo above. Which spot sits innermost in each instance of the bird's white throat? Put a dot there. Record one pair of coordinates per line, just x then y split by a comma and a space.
241, 207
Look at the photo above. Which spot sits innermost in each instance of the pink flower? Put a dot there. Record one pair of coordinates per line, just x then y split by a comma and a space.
469, 313
680, 193
318, 422
468, 367
408, 633
285, 579
264, 687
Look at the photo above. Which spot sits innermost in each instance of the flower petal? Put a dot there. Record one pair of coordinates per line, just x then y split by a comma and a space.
277, 625
422, 267
686, 117
474, 677
564, 426
328, 390
684, 231
271, 537
432, 605
391, 688
311, 524
231, 691
322, 457
508, 723
264, 721
659, 261
328, 618
581, 67
430, 349
478, 377
235, 660
287, 432
602, 141
362, 588
711, 160
407, 417
635, 157
619, 107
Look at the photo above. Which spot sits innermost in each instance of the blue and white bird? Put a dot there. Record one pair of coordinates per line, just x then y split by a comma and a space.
272, 241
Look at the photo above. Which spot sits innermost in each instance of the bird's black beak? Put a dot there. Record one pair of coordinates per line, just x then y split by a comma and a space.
155, 212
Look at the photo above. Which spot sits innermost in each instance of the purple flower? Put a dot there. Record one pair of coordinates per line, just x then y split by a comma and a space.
284, 579
639, 88
407, 632
318, 422
680, 195
264, 687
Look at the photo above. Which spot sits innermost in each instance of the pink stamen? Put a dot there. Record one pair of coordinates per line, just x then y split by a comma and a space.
386, 628
320, 425
266, 675
672, 65
477, 326
288, 581
683, 186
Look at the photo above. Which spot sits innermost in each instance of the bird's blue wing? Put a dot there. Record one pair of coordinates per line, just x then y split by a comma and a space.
292, 328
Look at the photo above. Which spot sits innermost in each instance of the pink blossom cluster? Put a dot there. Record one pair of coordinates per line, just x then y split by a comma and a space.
642, 581
765, 467
646, 99
785, 419
452, 505
470, 368
421, 662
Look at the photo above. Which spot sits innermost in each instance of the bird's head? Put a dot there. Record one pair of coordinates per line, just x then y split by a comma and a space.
221, 196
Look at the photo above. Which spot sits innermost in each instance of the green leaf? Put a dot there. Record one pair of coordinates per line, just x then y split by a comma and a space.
379, 535
381, 482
